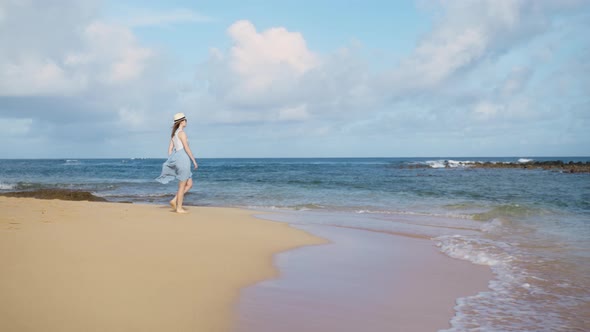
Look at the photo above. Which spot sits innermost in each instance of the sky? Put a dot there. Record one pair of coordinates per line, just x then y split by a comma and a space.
100, 79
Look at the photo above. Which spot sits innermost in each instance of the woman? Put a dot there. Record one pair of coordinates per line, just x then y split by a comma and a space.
178, 164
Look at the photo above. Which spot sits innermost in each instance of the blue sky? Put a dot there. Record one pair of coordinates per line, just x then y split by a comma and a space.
295, 78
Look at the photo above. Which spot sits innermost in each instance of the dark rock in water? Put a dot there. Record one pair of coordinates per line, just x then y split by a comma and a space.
554, 165
63, 194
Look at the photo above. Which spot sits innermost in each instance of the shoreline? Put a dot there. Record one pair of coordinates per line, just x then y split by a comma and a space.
88, 266
274, 268
365, 280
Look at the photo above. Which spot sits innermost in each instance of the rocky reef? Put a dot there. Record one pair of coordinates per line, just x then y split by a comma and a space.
62, 194
553, 165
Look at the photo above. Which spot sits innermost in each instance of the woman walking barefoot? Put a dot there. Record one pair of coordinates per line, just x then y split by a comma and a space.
178, 165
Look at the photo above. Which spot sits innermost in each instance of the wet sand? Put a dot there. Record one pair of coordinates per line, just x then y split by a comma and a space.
363, 281
89, 266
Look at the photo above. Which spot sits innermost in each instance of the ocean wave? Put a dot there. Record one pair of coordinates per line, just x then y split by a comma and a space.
7, 186
72, 162
413, 213
525, 160
308, 206
368, 211
296, 207
477, 251
107, 195
308, 182
449, 163
464, 206
509, 211
495, 225
29, 186
518, 295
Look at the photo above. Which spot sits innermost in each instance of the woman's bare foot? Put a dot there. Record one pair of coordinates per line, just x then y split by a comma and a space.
173, 204
181, 211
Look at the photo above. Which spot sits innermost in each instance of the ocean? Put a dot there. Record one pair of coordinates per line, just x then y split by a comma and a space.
532, 227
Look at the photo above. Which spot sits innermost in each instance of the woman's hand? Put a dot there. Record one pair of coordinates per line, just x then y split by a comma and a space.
196, 165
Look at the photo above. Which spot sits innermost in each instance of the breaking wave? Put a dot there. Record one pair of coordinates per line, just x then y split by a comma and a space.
7, 186
523, 296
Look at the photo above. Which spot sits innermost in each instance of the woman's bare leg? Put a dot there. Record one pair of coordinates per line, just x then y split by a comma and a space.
189, 185
180, 197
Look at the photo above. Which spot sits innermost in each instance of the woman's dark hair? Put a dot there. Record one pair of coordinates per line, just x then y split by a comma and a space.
175, 127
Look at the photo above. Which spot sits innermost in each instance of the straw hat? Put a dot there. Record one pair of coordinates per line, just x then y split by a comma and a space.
179, 117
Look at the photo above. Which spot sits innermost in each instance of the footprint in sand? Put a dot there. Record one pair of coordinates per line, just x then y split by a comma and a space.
13, 225
12, 228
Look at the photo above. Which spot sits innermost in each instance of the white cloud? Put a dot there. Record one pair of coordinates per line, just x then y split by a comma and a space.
109, 55
262, 59
114, 50
76, 75
15, 127
34, 76
265, 73
34, 37
261, 77
132, 118
473, 70
298, 113
145, 18
486, 110
2, 15
74, 72
467, 34
438, 59
516, 81
129, 65
272, 76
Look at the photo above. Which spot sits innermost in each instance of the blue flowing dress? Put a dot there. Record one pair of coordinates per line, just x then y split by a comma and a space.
178, 165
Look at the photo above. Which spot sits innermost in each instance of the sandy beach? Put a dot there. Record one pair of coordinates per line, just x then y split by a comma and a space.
87, 266
94, 266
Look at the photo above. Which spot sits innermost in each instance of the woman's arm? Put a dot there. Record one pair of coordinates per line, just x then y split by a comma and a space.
170, 147
184, 141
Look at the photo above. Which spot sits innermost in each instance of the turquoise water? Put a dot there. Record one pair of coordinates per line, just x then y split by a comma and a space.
531, 226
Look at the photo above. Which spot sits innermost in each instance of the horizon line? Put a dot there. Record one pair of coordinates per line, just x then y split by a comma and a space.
375, 157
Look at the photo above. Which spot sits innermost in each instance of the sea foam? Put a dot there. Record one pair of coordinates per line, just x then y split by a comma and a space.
7, 186
516, 291
449, 163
